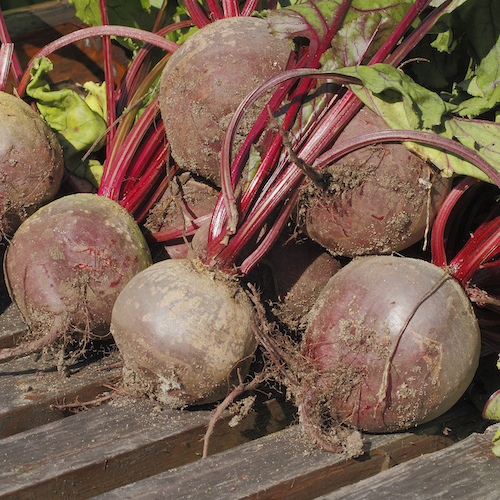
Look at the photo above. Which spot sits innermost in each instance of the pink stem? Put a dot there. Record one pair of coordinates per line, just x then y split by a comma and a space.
153, 140
111, 187
197, 13
174, 234
138, 68
110, 82
249, 7
141, 212
6, 51
230, 8
482, 246
438, 250
17, 71
271, 236
216, 12
112, 30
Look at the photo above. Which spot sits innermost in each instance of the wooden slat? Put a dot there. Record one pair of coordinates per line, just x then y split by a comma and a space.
96, 450
133, 440
12, 325
467, 470
41, 16
29, 387
283, 466
277, 466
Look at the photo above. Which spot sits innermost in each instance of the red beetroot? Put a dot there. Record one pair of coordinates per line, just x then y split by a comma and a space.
66, 265
393, 343
205, 80
185, 201
31, 163
183, 329
378, 199
293, 273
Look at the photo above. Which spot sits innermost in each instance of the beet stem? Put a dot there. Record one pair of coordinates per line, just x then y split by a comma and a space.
17, 71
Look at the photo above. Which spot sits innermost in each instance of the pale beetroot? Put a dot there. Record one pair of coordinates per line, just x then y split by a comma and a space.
206, 79
66, 265
31, 163
184, 332
378, 199
393, 343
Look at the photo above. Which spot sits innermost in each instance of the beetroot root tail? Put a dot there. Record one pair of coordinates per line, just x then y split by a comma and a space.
30, 347
313, 429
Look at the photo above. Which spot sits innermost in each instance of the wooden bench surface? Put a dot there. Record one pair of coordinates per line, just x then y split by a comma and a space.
465, 470
133, 449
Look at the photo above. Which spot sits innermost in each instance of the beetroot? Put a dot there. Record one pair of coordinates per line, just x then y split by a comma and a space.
393, 343
66, 265
31, 163
206, 79
376, 199
183, 329
183, 203
292, 275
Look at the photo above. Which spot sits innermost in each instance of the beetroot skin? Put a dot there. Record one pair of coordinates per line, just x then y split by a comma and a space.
206, 79
31, 163
182, 330
378, 199
68, 262
395, 343
292, 276
183, 202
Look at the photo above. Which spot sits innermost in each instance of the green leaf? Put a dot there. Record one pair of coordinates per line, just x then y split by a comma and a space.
96, 98
91, 170
496, 443
406, 105
492, 407
365, 27
76, 125
402, 102
464, 56
453, 5
481, 20
134, 13
253, 163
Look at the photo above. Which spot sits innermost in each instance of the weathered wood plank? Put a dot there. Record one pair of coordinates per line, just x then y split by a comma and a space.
282, 466
467, 470
41, 16
12, 325
29, 388
100, 449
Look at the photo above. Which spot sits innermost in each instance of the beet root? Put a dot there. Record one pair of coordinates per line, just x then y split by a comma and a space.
393, 343
31, 162
378, 199
182, 204
292, 275
204, 82
182, 330
67, 263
